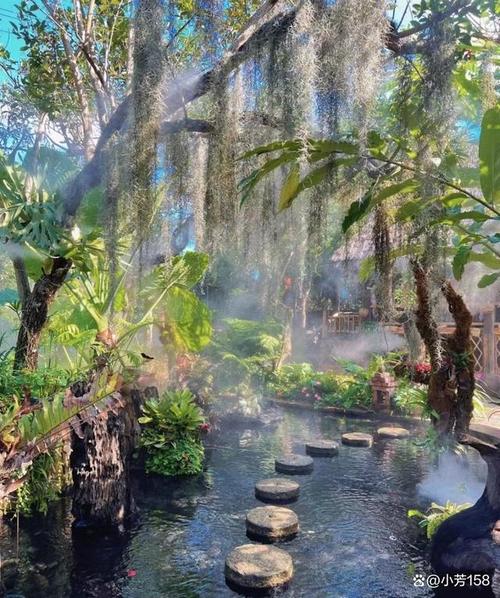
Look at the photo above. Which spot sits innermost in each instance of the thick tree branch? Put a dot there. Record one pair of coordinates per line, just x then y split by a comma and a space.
262, 26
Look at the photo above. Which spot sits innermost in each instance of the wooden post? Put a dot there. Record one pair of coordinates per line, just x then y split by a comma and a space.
489, 339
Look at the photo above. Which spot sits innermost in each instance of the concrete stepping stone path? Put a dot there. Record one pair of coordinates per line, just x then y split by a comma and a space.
294, 464
272, 523
277, 490
357, 439
322, 448
393, 432
258, 567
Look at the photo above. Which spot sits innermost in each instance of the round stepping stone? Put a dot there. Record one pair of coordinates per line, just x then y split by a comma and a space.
357, 439
395, 432
322, 448
294, 464
277, 490
272, 523
258, 567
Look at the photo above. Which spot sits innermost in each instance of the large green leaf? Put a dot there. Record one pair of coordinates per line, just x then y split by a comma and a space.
195, 265
406, 186
488, 279
188, 325
489, 155
357, 210
290, 188
461, 258
248, 184
53, 168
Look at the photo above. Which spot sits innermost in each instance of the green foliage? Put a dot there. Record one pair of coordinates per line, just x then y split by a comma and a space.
489, 156
455, 206
188, 324
181, 457
45, 481
301, 382
244, 352
435, 515
38, 384
171, 434
184, 320
411, 398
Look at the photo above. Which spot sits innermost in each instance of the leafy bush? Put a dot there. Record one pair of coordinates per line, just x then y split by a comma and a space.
45, 481
180, 457
411, 398
302, 382
435, 515
171, 434
39, 384
245, 352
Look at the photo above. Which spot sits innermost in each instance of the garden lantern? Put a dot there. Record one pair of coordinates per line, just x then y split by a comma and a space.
383, 388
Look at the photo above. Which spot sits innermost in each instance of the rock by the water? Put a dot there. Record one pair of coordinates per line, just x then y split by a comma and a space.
357, 439
393, 432
322, 448
294, 464
272, 523
258, 567
277, 490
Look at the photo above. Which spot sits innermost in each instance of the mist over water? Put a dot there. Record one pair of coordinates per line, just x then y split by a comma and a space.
455, 478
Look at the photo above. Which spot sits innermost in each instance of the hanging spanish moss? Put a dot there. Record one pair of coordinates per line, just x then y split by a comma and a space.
438, 59
146, 111
222, 194
353, 38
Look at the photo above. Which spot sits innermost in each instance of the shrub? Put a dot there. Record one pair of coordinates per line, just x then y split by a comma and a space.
435, 515
171, 434
302, 382
179, 457
244, 353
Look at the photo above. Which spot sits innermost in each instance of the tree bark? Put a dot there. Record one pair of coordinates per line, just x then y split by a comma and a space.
459, 349
451, 385
100, 463
34, 314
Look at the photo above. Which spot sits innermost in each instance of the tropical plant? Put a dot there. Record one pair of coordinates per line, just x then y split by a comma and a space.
171, 434
401, 177
431, 519
245, 352
44, 482
301, 382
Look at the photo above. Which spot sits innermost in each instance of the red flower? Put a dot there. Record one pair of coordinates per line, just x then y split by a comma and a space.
205, 427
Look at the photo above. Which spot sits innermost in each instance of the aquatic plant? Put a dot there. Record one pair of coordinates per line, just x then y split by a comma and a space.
171, 434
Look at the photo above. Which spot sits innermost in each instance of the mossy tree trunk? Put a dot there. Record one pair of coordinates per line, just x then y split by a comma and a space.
35, 311
451, 385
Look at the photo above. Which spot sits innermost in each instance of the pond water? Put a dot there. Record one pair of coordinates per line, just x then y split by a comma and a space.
355, 539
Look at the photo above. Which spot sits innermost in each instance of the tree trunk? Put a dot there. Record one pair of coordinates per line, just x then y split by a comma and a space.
451, 385
460, 351
100, 463
34, 314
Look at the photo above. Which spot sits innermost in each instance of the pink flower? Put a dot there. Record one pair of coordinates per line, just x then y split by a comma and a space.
205, 427
131, 573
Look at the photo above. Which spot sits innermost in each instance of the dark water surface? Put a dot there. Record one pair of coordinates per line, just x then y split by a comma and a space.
355, 538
